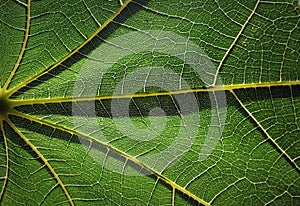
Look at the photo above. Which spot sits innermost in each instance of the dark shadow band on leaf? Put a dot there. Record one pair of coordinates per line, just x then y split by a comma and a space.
129, 11
274, 92
137, 106
44, 130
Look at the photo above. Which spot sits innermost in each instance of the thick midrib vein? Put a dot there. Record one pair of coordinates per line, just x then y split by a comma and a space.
166, 180
15, 103
47, 70
43, 159
283, 153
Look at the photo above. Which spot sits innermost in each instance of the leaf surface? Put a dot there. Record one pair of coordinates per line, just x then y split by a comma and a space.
149, 102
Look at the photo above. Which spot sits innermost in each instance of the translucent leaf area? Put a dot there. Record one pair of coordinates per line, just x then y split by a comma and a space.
143, 102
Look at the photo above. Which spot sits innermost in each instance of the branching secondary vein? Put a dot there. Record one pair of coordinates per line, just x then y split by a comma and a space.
233, 43
47, 70
45, 161
282, 152
21, 55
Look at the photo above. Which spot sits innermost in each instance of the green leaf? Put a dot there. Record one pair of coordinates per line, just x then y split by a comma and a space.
147, 102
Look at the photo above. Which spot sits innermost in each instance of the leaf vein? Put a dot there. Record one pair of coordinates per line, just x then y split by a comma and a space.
41, 156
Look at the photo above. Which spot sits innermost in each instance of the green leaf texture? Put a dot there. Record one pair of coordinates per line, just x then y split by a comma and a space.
144, 102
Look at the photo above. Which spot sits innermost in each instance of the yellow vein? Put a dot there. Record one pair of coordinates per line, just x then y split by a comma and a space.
265, 132
7, 160
110, 147
15, 103
173, 197
234, 42
13, 72
41, 156
33, 78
